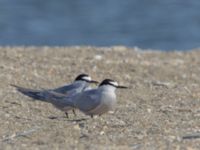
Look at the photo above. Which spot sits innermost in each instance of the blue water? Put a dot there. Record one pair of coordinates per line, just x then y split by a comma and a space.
154, 24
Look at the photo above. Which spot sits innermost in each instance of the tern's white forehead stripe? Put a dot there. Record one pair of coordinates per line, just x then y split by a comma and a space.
114, 83
87, 78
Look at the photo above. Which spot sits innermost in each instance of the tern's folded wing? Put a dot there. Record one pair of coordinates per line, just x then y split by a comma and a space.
87, 101
58, 99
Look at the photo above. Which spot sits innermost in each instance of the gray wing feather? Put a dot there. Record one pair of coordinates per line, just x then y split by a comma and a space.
64, 89
70, 89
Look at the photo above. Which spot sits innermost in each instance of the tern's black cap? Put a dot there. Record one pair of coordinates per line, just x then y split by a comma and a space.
109, 82
112, 83
83, 77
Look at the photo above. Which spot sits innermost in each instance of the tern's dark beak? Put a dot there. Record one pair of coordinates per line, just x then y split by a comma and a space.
93, 81
122, 87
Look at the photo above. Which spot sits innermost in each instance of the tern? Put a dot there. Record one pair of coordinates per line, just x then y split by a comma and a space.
81, 83
91, 102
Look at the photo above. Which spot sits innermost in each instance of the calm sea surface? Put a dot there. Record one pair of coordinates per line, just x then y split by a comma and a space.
154, 24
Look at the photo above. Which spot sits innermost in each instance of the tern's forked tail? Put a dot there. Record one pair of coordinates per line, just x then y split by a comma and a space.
35, 94
57, 99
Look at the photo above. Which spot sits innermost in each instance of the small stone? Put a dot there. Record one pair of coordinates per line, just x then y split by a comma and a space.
119, 48
76, 127
149, 110
111, 112
98, 57
102, 133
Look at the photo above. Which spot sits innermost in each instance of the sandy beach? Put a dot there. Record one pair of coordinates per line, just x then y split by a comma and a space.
160, 110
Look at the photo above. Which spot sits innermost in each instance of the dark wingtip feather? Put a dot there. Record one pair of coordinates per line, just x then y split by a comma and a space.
13, 85
19, 88
35, 94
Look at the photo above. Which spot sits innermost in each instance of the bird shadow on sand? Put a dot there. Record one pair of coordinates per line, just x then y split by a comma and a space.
78, 120
67, 119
